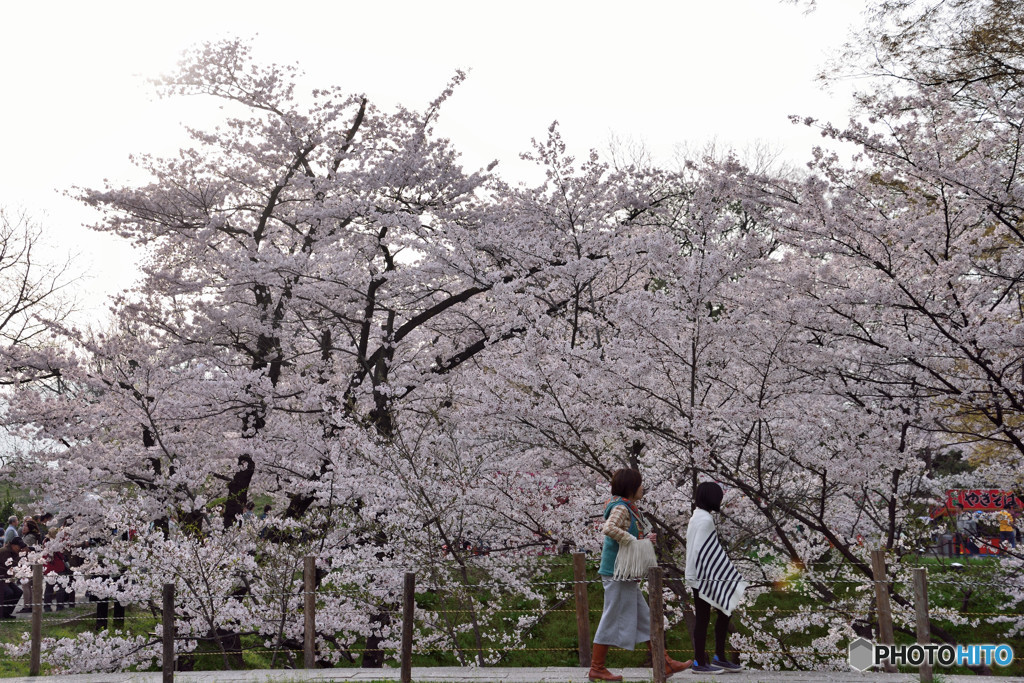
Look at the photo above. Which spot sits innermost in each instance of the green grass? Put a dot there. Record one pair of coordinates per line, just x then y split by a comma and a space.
982, 599
64, 624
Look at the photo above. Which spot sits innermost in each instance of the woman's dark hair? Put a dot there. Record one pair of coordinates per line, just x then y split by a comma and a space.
625, 483
708, 496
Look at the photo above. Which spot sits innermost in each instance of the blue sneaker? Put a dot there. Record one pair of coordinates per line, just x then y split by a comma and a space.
726, 666
707, 669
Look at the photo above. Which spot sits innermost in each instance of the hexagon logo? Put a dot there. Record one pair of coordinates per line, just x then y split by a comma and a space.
862, 654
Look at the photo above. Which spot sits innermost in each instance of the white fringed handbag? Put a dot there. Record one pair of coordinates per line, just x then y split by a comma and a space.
634, 559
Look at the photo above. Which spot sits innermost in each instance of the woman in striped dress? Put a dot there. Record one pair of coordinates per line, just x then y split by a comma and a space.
626, 618
714, 580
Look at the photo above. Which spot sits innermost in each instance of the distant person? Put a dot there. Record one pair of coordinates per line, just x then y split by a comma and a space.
967, 529
55, 565
265, 522
1017, 512
30, 532
250, 512
34, 540
952, 530
713, 579
44, 524
10, 592
12, 529
1007, 532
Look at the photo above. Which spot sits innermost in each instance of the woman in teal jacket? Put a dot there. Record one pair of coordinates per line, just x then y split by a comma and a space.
626, 618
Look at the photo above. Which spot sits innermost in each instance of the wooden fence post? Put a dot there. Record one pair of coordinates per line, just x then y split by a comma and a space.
37, 619
885, 631
579, 575
168, 620
102, 612
408, 613
309, 610
924, 627
654, 593
118, 615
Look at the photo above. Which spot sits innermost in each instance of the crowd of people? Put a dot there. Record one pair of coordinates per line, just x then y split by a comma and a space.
20, 537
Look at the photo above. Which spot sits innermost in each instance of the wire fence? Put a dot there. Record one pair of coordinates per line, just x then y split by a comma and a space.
159, 629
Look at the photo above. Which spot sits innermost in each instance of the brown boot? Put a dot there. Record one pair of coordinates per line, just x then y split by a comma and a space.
671, 665
598, 672
674, 667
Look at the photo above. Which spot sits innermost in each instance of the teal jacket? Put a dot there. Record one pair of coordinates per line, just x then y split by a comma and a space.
611, 546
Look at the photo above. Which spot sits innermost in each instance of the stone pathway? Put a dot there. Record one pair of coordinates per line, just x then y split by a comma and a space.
499, 675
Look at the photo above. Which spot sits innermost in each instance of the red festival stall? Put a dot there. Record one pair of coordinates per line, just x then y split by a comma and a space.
979, 500
984, 500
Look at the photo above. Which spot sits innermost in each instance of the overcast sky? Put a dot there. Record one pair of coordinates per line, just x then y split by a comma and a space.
76, 102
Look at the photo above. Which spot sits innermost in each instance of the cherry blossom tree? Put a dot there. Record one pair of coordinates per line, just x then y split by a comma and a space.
33, 291
909, 258
952, 44
314, 281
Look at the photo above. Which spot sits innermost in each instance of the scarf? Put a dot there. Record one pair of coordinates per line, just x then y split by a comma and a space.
708, 569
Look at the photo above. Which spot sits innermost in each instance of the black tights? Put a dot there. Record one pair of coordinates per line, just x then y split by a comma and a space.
700, 632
